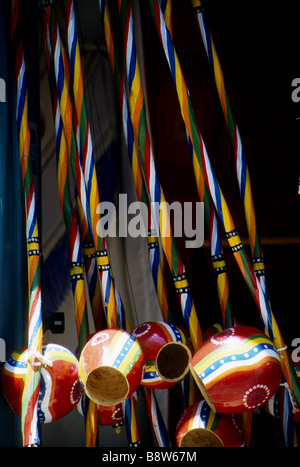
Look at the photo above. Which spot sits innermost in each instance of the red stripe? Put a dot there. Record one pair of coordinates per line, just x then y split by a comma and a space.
147, 155
126, 25
28, 417
156, 9
14, 17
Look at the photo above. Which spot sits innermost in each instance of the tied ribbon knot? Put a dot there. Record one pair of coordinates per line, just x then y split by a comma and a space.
36, 360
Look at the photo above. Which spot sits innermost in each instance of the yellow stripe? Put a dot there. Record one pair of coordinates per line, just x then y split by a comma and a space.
103, 260
196, 3
88, 251
91, 424
181, 284
132, 356
33, 246
76, 270
259, 266
195, 330
234, 240
210, 420
219, 264
219, 78
152, 239
111, 310
228, 223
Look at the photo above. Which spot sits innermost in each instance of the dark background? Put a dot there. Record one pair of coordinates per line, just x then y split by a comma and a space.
258, 50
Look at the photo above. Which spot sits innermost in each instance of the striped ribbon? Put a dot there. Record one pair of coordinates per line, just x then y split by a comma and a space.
217, 255
286, 417
59, 61
85, 177
72, 227
153, 247
112, 300
201, 162
240, 159
158, 425
61, 70
114, 318
132, 431
68, 211
155, 259
241, 166
86, 158
141, 131
30, 435
189, 390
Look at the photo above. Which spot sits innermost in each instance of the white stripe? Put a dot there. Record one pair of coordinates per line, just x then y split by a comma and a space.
235, 364
197, 421
31, 213
239, 164
45, 402
129, 45
202, 29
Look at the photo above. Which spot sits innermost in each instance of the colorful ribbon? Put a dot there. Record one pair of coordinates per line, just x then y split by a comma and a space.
68, 211
241, 166
72, 227
286, 417
112, 300
59, 60
156, 418
240, 159
132, 431
153, 247
141, 131
202, 163
86, 183
58, 56
86, 155
114, 318
29, 420
155, 259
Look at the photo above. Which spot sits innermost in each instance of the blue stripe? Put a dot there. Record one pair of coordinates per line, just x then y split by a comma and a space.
21, 103
89, 176
163, 5
102, 9
60, 77
123, 352
73, 55
171, 54
35, 330
243, 177
154, 254
32, 224
187, 309
132, 66
208, 42
218, 199
288, 420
